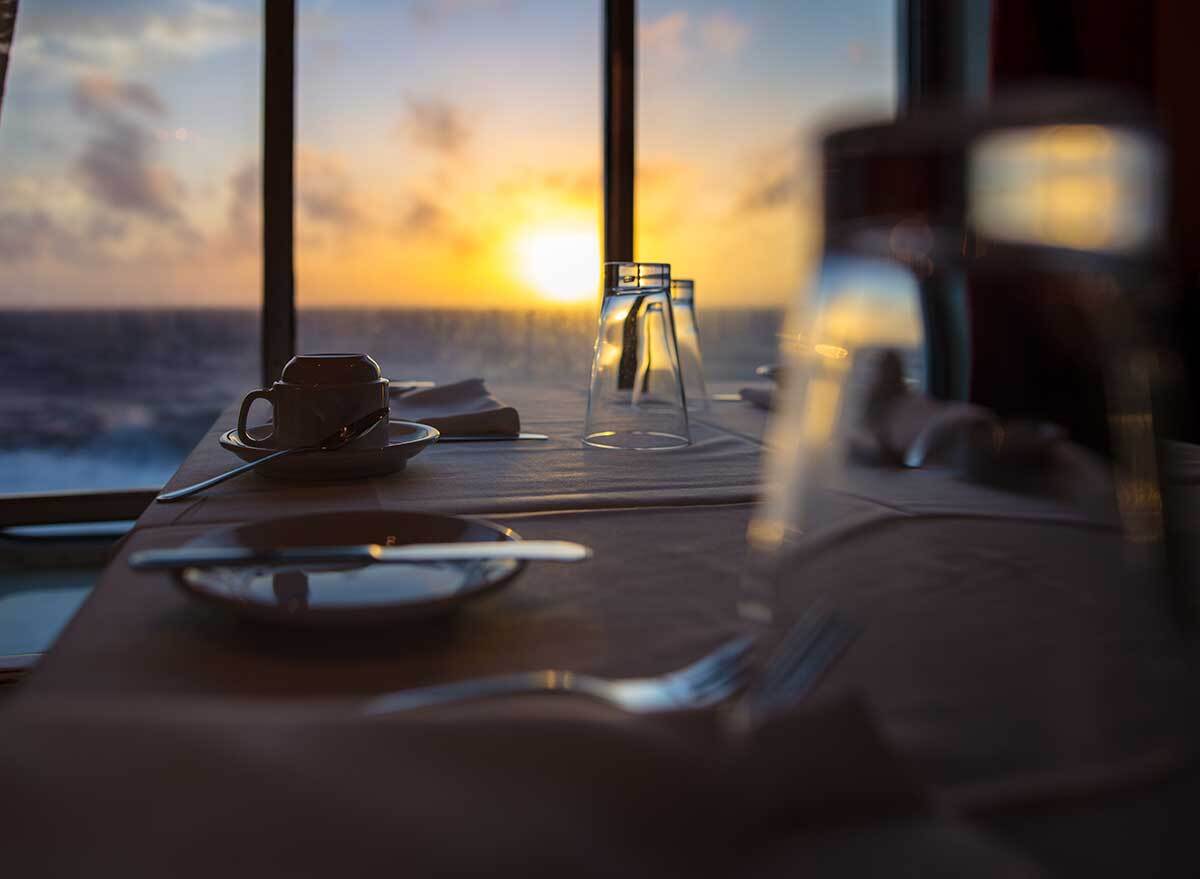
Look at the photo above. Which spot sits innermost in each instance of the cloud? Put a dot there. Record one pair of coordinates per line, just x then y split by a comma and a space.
674, 38
772, 192
722, 33
663, 38
325, 191
25, 234
102, 94
105, 228
436, 125
245, 205
434, 12
423, 215
73, 35
774, 179
116, 167
579, 186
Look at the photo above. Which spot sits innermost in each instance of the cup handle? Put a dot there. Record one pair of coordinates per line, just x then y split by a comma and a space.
241, 426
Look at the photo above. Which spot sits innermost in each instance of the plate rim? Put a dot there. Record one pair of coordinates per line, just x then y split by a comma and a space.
389, 614
228, 440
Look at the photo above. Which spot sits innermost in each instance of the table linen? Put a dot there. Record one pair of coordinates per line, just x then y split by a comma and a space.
1000, 673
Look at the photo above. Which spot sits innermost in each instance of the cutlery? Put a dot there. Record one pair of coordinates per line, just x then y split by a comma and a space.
708, 681
488, 439
808, 650
342, 436
726, 398
367, 553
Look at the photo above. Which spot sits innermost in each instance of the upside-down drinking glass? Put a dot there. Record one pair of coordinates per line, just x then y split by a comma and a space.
636, 399
687, 333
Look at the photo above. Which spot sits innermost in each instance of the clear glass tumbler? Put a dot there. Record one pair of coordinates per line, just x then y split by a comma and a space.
687, 333
636, 399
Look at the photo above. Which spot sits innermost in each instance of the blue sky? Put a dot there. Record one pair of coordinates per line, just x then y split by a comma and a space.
440, 144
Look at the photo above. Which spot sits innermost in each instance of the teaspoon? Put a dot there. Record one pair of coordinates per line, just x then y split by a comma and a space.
342, 436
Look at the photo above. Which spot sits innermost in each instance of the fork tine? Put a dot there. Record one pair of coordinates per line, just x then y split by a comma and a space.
834, 638
796, 644
732, 678
716, 663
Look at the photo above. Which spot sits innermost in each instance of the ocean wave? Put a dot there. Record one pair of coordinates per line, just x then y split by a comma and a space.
111, 398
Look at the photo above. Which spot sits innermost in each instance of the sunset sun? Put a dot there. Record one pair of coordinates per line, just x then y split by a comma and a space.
560, 263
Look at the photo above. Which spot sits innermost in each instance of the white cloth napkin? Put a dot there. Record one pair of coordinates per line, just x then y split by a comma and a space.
464, 408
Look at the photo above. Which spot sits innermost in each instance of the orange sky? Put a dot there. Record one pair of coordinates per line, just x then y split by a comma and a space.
448, 150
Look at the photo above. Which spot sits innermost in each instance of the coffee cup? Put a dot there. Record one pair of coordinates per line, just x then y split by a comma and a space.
315, 396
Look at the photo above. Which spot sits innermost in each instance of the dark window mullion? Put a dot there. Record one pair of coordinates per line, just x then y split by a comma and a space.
278, 186
620, 18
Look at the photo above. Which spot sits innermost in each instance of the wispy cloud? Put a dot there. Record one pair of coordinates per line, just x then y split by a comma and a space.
575, 186
436, 125
771, 191
68, 35
26, 234
327, 197
117, 166
424, 218
724, 34
117, 170
245, 206
663, 39
98, 94
422, 215
774, 178
676, 38
434, 12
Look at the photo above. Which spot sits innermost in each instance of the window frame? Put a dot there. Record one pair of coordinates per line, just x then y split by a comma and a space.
920, 40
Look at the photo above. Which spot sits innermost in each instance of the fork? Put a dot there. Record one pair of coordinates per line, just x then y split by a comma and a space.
705, 682
811, 647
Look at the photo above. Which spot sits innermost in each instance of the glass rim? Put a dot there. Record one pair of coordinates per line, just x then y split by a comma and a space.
683, 289
630, 276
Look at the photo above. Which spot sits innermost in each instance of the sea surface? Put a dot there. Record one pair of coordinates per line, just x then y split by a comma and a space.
116, 398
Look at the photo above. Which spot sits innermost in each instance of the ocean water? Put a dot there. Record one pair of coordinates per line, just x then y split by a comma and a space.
116, 398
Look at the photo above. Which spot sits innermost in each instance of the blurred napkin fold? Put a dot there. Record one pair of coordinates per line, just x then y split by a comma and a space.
463, 408
508, 787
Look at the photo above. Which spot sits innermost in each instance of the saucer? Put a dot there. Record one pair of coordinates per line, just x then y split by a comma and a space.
336, 595
405, 439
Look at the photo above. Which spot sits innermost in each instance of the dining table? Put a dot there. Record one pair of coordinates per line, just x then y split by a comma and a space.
1000, 712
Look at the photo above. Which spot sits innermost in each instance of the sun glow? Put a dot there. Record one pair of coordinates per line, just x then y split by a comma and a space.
561, 263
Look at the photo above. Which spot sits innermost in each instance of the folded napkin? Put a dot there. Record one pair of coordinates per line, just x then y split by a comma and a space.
464, 408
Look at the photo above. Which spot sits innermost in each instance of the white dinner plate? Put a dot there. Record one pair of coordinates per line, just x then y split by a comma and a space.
350, 594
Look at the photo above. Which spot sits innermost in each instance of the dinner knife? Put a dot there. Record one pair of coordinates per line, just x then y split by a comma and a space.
367, 553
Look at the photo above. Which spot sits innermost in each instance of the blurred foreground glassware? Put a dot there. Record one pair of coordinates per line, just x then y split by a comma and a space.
636, 399
976, 347
687, 333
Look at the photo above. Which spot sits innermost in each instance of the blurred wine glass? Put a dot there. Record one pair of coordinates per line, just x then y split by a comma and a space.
975, 343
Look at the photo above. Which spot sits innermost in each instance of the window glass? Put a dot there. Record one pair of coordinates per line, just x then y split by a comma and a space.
448, 185
731, 97
129, 235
